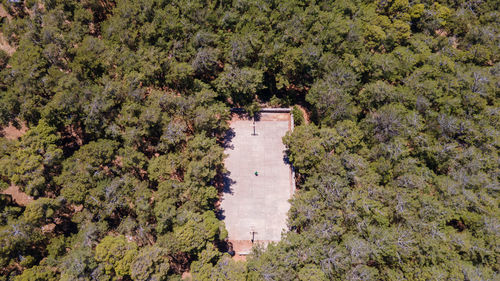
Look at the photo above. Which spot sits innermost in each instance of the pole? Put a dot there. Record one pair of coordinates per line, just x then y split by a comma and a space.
254, 133
253, 232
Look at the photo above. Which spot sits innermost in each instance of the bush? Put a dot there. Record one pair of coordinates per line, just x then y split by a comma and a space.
298, 116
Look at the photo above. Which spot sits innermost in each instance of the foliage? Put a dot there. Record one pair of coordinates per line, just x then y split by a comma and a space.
127, 104
116, 254
37, 273
41, 211
151, 263
36, 159
298, 116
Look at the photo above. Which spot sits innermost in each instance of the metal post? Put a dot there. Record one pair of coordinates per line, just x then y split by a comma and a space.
254, 133
253, 232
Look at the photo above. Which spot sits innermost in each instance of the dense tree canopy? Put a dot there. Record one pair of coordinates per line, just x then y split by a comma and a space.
127, 103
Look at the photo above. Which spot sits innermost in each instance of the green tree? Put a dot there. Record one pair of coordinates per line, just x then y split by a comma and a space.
311, 272
240, 84
304, 157
151, 263
17, 239
85, 168
37, 158
41, 211
37, 273
202, 159
331, 95
298, 116
128, 104
117, 255
197, 231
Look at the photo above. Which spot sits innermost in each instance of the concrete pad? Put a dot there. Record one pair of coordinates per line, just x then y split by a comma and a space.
257, 203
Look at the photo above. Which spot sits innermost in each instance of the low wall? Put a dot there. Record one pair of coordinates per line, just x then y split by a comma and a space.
270, 110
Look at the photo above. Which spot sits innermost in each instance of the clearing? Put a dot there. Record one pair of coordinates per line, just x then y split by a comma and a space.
254, 207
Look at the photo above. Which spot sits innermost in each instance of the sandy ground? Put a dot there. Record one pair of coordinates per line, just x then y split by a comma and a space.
274, 117
4, 45
186, 276
264, 116
18, 196
256, 205
12, 133
3, 13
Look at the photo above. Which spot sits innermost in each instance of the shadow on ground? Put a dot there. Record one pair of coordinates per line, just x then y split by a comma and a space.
228, 182
226, 189
230, 134
286, 160
245, 116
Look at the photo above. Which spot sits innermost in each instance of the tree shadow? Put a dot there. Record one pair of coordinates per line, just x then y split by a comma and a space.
257, 116
230, 134
286, 159
219, 214
225, 246
242, 115
245, 116
228, 182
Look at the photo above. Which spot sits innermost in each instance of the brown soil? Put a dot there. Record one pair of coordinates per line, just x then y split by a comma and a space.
12, 133
48, 228
241, 249
3, 13
4, 45
187, 276
264, 116
441, 32
268, 116
239, 117
18, 196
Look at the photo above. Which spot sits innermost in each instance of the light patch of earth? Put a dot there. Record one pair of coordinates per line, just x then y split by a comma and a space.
186, 276
12, 133
4, 45
3, 13
267, 116
18, 196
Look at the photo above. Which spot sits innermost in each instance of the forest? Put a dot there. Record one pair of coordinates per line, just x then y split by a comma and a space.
126, 105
